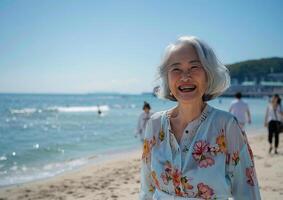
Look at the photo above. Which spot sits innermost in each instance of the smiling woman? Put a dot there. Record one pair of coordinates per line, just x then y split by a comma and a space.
186, 76
201, 56
194, 151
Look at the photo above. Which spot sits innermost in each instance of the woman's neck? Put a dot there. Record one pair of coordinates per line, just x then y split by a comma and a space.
186, 113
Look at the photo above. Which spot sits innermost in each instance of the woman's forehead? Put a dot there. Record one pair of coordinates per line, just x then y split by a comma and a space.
182, 53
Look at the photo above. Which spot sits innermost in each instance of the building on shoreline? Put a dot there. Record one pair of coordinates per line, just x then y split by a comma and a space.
267, 86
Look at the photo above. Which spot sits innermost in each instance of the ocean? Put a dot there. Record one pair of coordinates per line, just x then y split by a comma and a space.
45, 135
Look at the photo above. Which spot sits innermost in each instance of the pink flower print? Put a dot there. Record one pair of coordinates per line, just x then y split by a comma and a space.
167, 174
176, 177
204, 191
206, 162
165, 178
250, 175
200, 148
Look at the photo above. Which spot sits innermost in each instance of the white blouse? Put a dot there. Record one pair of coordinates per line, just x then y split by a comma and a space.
273, 114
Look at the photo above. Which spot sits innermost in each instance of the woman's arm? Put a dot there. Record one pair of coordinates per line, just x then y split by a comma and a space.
265, 118
240, 164
147, 186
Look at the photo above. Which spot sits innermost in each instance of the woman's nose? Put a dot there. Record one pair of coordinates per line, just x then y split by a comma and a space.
186, 76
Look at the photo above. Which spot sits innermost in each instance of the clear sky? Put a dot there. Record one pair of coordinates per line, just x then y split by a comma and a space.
80, 46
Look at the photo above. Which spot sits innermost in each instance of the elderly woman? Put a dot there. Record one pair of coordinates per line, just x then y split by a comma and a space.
194, 151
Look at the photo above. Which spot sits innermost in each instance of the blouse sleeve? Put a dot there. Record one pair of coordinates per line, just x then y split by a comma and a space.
147, 186
240, 168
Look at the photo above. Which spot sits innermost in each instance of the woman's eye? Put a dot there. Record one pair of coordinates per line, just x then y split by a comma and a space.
195, 68
175, 70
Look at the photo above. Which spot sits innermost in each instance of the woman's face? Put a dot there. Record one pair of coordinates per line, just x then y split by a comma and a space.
186, 75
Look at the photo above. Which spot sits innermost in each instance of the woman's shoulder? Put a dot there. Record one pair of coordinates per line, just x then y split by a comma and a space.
154, 124
157, 116
221, 115
161, 114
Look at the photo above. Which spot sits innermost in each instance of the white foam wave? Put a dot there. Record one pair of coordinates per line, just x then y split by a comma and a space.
103, 108
23, 111
2, 158
118, 106
22, 174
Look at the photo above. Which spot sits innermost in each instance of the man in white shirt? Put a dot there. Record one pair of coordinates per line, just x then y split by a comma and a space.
240, 110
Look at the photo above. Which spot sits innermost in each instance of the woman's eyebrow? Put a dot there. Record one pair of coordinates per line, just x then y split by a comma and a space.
174, 64
190, 62
194, 61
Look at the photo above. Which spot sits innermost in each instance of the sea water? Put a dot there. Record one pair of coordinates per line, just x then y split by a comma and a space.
44, 135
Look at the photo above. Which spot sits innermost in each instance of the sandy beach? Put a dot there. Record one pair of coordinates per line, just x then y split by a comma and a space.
118, 179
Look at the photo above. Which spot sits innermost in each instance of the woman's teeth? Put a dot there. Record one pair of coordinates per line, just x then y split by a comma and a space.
187, 88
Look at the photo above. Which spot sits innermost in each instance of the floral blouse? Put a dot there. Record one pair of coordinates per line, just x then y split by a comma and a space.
213, 160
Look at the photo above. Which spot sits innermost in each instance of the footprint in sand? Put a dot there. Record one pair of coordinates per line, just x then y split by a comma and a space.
70, 192
258, 157
267, 165
114, 196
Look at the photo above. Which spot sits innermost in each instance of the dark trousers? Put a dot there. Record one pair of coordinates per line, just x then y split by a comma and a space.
273, 130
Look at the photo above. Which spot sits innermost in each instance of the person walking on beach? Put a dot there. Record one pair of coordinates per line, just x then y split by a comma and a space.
193, 150
273, 117
240, 110
142, 121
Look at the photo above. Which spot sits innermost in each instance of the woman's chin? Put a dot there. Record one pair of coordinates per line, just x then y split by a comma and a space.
188, 98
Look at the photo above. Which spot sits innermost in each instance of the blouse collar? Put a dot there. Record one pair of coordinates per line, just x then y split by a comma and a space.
207, 109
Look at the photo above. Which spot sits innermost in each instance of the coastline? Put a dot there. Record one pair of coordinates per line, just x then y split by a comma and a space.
118, 177
102, 179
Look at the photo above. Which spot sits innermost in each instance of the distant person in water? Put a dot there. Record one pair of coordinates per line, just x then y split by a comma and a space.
98, 110
273, 117
240, 110
142, 121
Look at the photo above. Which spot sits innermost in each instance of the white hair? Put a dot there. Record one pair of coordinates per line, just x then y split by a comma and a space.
218, 78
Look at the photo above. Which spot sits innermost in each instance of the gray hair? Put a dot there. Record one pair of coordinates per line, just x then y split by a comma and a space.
218, 78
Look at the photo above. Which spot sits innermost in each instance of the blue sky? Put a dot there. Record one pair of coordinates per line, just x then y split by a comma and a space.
84, 46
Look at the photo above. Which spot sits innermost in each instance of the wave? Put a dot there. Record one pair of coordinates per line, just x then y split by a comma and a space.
24, 111
21, 174
65, 109
103, 108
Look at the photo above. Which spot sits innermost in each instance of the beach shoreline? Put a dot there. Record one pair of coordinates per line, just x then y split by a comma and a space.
119, 177
90, 161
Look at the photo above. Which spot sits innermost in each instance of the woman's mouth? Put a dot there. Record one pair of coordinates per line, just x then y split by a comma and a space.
187, 88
